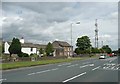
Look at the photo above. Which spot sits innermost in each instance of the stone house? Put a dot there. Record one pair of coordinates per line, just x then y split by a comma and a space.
62, 48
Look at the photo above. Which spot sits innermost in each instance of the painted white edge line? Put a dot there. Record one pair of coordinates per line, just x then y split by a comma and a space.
74, 77
96, 68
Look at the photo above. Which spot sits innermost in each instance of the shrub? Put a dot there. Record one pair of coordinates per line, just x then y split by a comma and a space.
34, 55
31, 54
23, 55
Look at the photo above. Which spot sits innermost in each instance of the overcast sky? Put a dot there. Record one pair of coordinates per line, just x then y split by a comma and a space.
49, 21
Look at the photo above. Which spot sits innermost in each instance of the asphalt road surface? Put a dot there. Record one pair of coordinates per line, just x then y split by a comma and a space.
90, 70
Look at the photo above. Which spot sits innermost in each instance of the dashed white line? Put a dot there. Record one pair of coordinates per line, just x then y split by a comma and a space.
86, 65
74, 77
31, 74
96, 68
43, 71
64, 64
54, 69
91, 65
73, 65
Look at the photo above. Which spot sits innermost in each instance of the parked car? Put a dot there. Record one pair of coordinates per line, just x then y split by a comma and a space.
102, 56
110, 55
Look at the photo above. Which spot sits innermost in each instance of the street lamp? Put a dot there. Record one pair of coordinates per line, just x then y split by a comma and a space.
71, 37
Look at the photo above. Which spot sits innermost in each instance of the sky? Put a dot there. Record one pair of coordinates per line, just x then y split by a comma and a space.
43, 22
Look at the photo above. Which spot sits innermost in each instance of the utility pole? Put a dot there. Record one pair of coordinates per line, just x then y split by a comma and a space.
96, 34
102, 44
71, 33
71, 36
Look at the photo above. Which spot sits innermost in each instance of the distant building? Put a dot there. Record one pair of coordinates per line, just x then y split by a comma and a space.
62, 48
28, 48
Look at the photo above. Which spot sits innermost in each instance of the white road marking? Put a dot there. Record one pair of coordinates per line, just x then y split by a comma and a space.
64, 64
2, 79
73, 65
96, 68
74, 77
111, 66
31, 74
54, 69
83, 66
86, 65
43, 71
91, 65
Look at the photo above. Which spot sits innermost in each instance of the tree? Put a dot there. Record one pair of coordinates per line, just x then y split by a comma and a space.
95, 50
41, 51
101, 50
15, 47
119, 51
107, 49
3, 48
83, 45
49, 49
77, 51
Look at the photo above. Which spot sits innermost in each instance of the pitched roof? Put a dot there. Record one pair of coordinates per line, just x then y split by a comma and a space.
31, 45
28, 45
40, 46
59, 44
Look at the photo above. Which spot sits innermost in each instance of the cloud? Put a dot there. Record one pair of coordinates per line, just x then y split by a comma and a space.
47, 21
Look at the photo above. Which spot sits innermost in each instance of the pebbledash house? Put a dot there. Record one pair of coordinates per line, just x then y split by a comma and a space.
61, 48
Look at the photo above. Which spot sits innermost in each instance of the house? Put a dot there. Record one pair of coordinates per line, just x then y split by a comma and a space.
40, 46
28, 48
62, 48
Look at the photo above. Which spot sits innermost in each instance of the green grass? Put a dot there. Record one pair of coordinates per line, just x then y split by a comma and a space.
14, 65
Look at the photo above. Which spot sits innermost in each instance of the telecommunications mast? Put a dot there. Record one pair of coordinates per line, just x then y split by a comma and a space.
96, 34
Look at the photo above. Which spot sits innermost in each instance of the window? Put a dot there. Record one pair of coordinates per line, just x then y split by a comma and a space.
31, 49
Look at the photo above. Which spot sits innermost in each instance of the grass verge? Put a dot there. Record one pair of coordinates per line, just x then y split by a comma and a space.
14, 65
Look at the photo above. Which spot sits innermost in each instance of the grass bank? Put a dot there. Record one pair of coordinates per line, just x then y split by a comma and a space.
14, 65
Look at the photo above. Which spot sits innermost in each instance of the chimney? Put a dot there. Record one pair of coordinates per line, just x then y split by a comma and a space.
22, 40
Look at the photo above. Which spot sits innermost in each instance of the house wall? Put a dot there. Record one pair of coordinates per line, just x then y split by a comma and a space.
67, 51
25, 50
28, 50
6, 47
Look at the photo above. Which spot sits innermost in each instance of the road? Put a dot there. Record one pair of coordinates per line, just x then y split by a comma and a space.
90, 70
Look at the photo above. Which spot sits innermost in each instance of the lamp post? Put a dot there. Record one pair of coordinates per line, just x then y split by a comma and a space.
71, 37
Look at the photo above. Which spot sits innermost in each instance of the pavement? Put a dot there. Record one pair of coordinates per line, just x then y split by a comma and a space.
90, 70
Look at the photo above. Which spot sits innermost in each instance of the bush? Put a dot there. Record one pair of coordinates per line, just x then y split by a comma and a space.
23, 55
34, 55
